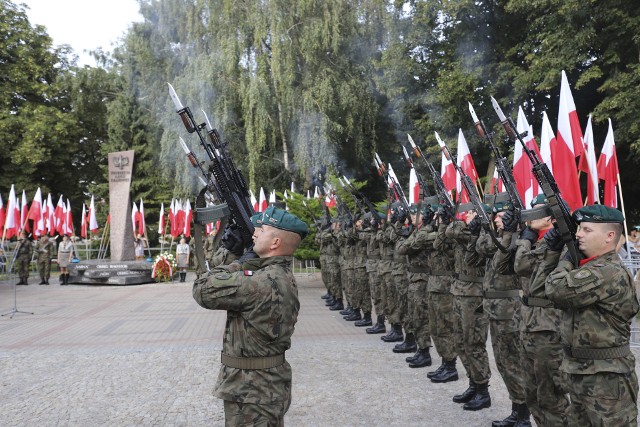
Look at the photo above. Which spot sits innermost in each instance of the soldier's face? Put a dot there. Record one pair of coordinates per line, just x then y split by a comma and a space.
498, 220
263, 240
470, 216
594, 239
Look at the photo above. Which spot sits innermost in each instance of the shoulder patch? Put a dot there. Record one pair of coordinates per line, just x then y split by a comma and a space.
248, 272
582, 274
223, 275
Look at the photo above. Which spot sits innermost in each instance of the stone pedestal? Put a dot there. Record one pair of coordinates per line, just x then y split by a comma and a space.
106, 272
121, 234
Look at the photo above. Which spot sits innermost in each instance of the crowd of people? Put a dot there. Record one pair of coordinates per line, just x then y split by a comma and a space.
559, 326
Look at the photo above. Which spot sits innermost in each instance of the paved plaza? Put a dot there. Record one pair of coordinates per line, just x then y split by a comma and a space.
149, 355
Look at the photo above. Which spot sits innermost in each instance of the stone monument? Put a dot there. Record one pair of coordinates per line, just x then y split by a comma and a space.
121, 268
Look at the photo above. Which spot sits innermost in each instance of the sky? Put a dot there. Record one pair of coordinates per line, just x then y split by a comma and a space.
83, 24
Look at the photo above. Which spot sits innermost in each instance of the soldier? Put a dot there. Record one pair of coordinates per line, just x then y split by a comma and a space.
540, 325
502, 303
261, 300
599, 303
331, 243
209, 248
361, 293
24, 252
323, 229
347, 245
375, 282
417, 247
471, 325
44, 249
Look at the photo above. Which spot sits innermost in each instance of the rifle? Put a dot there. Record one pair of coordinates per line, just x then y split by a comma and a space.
395, 190
222, 177
441, 191
504, 170
474, 197
313, 217
558, 207
352, 189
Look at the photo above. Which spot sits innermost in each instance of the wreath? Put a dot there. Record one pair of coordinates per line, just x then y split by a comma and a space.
164, 267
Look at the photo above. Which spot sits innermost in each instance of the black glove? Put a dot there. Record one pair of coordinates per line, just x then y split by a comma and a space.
232, 240
428, 216
554, 240
568, 257
444, 216
249, 254
510, 221
474, 226
529, 234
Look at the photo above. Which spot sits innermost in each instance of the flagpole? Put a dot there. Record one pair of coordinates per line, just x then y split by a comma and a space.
626, 232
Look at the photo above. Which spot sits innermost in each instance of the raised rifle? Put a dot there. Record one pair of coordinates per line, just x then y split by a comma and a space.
474, 197
395, 190
313, 217
559, 208
352, 189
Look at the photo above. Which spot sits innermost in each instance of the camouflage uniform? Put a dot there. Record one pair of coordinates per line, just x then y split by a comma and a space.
398, 308
440, 306
387, 290
599, 302
502, 305
361, 292
324, 273
347, 246
373, 262
45, 253
331, 266
209, 250
471, 324
262, 307
417, 247
222, 256
540, 335
23, 259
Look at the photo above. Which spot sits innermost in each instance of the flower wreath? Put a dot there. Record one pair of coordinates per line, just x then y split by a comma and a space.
164, 267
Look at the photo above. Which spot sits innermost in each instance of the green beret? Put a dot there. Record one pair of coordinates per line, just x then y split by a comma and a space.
256, 220
597, 213
501, 206
284, 220
381, 215
413, 208
486, 208
540, 199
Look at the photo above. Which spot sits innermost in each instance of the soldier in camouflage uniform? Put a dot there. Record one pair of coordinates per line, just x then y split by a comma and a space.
324, 274
331, 242
209, 249
348, 250
24, 252
599, 303
502, 305
361, 297
418, 247
471, 324
44, 249
375, 281
540, 324
440, 307
261, 300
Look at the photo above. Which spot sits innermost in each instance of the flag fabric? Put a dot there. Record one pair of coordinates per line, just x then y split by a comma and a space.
68, 220
608, 169
414, 187
465, 162
142, 226
293, 187
51, 216
308, 195
188, 216
589, 165
134, 217
180, 214
3, 214
13, 215
330, 201
272, 197
24, 214
254, 202
448, 173
93, 220
547, 138
59, 216
172, 218
263, 201
569, 130
285, 195
496, 183
161, 221
392, 180
35, 214
315, 192
526, 183
83, 222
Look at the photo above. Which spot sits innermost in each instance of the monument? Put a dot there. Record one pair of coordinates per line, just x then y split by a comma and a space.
121, 268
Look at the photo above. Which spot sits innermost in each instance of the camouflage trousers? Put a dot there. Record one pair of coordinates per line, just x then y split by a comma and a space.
544, 383
375, 289
346, 276
440, 310
333, 275
384, 280
22, 265
44, 268
471, 327
417, 321
238, 414
401, 282
390, 297
604, 399
505, 340
361, 292
324, 272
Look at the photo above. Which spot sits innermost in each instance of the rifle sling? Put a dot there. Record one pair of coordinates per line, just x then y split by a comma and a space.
535, 213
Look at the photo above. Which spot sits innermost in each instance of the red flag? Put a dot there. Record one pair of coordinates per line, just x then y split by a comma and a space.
254, 202
608, 169
172, 218
588, 161
569, 130
13, 215
93, 220
59, 216
448, 173
24, 212
188, 216
526, 183
161, 221
35, 213
465, 162
496, 183
83, 223
142, 226
134, 217
180, 218
414, 187
330, 201
51, 218
3, 214
263, 201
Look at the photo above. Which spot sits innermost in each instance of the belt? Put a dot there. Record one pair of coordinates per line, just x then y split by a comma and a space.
501, 294
465, 278
537, 302
598, 353
441, 273
251, 362
419, 270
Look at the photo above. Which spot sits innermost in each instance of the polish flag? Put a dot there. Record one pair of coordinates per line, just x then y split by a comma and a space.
465, 162
3, 213
608, 169
188, 216
142, 226
547, 138
68, 220
59, 216
569, 131
13, 215
589, 165
172, 218
254, 202
330, 201
35, 214
51, 217
414, 187
134, 217
496, 183
263, 201
161, 221
83, 222
179, 218
392, 177
526, 183
24, 214
93, 220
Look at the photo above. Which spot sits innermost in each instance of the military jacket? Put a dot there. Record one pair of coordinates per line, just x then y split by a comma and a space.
398, 234
25, 249
533, 263
44, 250
360, 249
222, 256
262, 307
417, 247
330, 246
386, 244
599, 302
468, 277
441, 260
373, 250
209, 249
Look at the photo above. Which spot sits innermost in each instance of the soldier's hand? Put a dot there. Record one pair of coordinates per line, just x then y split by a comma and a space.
232, 240
510, 221
529, 234
474, 226
554, 240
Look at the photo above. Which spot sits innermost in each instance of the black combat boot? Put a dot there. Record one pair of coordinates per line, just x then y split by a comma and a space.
347, 311
510, 421
408, 345
365, 321
481, 400
379, 327
353, 316
21, 282
395, 335
410, 359
423, 359
183, 277
330, 301
326, 296
42, 282
437, 371
449, 373
466, 395
524, 416
337, 305
65, 280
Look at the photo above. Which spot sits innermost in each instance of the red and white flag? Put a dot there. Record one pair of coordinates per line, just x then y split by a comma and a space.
263, 201
465, 162
569, 130
3, 214
68, 220
173, 218
448, 173
142, 226
50, 217
13, 215
134, 217
392, 178
93, 220
526, 183
330, 201
83, 222
547, 138
161, 221
24, 214
188, 216
272, 196
589, 165
254, 202
608, 169
414, 187
35, 214
59, 216
496, 183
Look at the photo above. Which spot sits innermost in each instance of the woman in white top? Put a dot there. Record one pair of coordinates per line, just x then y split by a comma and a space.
65, 253
182, 256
